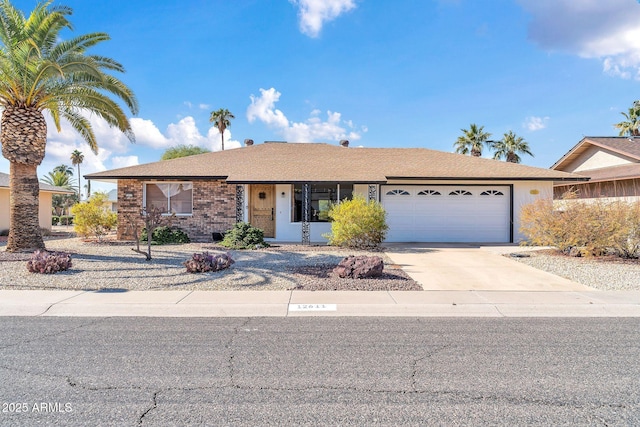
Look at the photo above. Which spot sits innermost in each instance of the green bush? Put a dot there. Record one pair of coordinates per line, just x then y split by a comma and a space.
92, 217
244, 236
65, 220
165, 236
55, 220
4, 232
357, 223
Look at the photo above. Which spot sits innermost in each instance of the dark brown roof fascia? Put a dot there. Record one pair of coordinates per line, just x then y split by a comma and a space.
155, 177
435, 178
324, 181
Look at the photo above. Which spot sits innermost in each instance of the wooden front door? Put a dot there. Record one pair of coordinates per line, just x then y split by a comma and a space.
263, 208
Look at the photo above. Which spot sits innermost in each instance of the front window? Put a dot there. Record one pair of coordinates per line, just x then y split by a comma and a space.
170, 197
322, 196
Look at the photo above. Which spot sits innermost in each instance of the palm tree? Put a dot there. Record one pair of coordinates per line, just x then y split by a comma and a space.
631, 126
59, 179
76, 159
43, 71
221, 120
64, 169
472, 140
509, 147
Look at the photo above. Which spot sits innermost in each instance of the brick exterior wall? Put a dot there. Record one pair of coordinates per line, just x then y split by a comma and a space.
214, 208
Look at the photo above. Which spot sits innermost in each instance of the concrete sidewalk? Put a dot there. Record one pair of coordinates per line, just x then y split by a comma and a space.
320, 303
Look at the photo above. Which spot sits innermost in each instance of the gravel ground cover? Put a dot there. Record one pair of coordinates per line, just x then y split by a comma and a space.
114, 266
606, 273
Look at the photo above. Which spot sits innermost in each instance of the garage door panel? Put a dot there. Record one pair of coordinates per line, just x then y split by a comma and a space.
447, 213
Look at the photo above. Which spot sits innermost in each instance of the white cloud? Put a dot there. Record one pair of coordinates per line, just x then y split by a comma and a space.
534, 123
204, 106
606, 30
148, 134
263, 109
124, 161
314, 128
313, 14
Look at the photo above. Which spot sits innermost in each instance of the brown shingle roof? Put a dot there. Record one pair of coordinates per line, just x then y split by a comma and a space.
627, 146
613, 173
312, 162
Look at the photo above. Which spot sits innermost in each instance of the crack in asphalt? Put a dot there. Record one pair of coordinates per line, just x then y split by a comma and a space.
451, 395
229, 346
414, 371
153, 406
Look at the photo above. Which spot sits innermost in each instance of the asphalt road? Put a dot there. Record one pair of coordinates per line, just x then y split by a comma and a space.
319, 371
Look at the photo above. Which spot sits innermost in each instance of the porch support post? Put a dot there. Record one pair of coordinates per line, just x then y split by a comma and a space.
373, 192
239, 203
306, 213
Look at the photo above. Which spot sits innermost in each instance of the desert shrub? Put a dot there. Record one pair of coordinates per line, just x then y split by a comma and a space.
55, 220
164, 235
49, 262
357, 223
93, 218
626, 242
593, 227
204, 262
244, 236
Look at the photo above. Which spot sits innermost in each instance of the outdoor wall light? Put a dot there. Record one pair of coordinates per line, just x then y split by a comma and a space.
128, 195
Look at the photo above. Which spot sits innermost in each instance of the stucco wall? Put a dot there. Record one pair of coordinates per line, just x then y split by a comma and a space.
4, 208
214, 208
46, 205
595, 158
44, 213
525, 192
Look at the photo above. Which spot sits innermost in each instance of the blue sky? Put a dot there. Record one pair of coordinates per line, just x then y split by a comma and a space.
405, 73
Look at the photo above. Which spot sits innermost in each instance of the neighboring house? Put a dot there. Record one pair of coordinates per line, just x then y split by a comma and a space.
612, 163
46, 193
286, 190
112, 201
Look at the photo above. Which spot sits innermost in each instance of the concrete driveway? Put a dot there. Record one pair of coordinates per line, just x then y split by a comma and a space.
457, 267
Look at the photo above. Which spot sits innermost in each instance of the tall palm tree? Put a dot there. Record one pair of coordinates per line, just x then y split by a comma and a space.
510, 147
472, 140
42, 70
64, 169
630, 126
221, 120
76, 159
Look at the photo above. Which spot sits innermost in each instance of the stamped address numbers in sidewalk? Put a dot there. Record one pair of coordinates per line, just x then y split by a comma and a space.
313, 307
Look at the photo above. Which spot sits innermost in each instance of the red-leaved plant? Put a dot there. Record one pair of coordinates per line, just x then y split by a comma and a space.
49, 262
204, 262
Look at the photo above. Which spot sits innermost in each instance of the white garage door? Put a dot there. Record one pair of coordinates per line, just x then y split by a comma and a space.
447, 213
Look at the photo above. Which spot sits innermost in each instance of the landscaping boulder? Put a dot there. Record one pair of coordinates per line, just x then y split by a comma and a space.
359, 267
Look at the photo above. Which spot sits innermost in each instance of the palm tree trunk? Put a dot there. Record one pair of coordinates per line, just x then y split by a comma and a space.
79, 194
24, 233
476, 153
